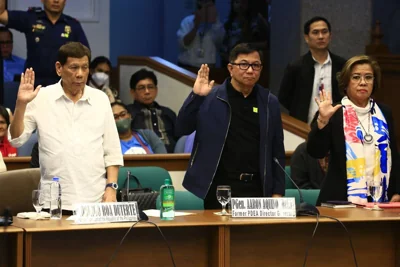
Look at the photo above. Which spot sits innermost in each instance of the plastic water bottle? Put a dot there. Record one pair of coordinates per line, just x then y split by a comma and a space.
167, 195
55, 199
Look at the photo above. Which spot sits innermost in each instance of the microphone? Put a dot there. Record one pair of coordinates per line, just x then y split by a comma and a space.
143, 216
7, 218
303, 209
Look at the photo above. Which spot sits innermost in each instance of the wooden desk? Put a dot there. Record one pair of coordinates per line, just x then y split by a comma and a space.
11, 246
194, 240
205, 239
170, 162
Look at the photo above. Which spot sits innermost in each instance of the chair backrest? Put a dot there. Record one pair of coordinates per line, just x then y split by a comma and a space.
288, 184
184, 200
16, 189
26, 149
310, 195
152, 177
180, 145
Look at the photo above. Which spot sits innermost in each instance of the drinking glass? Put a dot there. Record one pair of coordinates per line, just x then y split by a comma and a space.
223, 197
37, 201
375, 190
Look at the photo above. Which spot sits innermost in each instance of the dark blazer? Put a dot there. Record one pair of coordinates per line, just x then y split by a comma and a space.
331, 138
167, 116
210, 116
306, 170
297, 85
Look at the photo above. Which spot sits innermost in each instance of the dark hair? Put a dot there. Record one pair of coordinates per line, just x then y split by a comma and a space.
72, 49
99, 60
119, 104
315, 19
5, 29
5, 114
343, 77
243, 48
141, 75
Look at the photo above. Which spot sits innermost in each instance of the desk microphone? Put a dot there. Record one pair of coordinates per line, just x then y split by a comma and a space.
303, 208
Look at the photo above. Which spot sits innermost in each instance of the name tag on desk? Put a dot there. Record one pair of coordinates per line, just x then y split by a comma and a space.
106, 212
263, 207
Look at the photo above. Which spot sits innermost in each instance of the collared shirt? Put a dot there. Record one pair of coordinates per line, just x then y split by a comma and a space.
242, 144
204, 47
322, 79
43, 39
77, 141
12, 66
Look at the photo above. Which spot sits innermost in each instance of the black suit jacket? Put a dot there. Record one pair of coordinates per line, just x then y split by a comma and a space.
305, 170
297, 85
331, 138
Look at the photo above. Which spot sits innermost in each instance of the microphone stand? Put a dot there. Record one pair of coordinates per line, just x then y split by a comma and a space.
304, 208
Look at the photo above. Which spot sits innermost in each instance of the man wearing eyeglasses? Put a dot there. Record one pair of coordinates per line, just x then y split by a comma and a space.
314, 71
147, 113
238, 132
13, 65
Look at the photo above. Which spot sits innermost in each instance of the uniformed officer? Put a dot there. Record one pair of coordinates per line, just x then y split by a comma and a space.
46, 31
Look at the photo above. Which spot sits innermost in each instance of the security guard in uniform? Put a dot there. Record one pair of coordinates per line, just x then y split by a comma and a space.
46, 31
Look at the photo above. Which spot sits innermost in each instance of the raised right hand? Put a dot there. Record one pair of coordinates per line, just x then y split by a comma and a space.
202, 86
26, 90
325, 108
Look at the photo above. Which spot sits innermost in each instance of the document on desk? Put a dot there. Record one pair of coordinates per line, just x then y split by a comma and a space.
156, 213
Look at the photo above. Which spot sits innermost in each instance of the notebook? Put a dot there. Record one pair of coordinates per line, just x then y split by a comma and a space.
338, 206
385, 205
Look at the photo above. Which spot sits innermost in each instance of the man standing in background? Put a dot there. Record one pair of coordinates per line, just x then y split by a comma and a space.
312, 72
45, 31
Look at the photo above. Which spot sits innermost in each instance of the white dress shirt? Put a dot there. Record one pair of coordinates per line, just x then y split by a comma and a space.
322, 76
209, 43
77, 141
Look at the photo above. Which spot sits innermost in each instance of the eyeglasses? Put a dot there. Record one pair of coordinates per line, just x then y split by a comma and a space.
6, 42
122, 114
149, 87
367, 78
245, 66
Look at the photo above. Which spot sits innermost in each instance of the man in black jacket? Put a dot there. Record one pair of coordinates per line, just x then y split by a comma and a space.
147, 113
313, 71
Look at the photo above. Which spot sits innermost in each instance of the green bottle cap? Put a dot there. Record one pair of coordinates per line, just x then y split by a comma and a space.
167, 181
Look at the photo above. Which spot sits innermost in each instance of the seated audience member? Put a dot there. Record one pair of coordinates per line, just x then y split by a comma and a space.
5, 147
359, 134
100, 70
135, 141
200, 36
12, 64
147, 113
306, 171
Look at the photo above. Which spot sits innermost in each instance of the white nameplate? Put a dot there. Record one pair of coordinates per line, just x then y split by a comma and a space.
106, 212
264, 207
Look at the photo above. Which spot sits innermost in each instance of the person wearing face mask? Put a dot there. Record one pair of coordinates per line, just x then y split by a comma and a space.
100, 69
142, 141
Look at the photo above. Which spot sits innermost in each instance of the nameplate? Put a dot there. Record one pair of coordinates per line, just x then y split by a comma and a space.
87, 213
263, 207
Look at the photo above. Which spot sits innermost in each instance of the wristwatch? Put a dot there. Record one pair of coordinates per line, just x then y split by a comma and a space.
112, 185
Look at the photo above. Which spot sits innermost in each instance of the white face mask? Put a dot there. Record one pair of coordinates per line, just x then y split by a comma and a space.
100, 78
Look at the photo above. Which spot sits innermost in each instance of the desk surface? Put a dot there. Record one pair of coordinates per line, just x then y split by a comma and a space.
207, 218
10, 229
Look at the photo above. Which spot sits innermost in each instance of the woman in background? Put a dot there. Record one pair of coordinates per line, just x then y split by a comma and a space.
142, 141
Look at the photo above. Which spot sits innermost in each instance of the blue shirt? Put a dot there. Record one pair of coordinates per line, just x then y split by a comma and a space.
126, 145
43, 39
13, 65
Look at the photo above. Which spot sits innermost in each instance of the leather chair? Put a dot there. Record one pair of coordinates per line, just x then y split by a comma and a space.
16, 190
184, 200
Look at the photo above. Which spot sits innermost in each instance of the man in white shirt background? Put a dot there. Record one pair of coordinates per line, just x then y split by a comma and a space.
200, 36
78, 140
